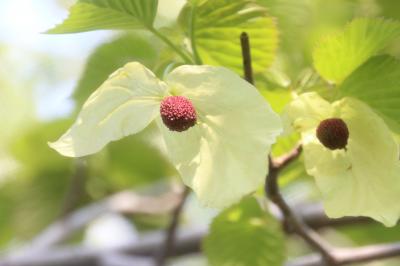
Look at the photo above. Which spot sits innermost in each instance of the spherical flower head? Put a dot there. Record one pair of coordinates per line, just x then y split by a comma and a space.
333, 133
178, 113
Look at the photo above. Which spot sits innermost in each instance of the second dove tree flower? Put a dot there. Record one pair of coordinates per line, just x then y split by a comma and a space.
352, 154
217, 128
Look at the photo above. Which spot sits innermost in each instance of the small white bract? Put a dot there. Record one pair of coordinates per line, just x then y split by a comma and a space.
222, 157
364, 178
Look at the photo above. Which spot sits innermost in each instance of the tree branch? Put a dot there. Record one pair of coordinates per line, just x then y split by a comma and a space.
246, 55
291, 221
187, 242
345, 256
171, 231
146, 246
76, 187
126, 202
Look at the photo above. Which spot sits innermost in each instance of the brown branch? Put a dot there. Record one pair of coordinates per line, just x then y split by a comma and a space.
126, 202
76, 187
147, 245
171, 231
291, 221
314, 216
187, 242
246, 55
284, 160
345, 256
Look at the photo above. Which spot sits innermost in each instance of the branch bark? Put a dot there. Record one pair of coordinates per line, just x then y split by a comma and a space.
76, 187
246, 56
125, 202
147, 246
291, 221
187, 242
345, 256
171, 231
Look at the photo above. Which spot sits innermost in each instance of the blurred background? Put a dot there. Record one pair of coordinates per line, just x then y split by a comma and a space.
44, 80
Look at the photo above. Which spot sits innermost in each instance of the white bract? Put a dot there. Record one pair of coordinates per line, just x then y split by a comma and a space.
222, 158
364, 178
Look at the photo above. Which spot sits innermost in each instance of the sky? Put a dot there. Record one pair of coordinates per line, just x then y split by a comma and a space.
22, 23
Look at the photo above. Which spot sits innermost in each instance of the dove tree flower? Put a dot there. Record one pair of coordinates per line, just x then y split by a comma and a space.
351, 153
217, 128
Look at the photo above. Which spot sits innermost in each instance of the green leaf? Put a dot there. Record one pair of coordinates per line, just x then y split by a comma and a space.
377, 83
215, 27
337, 56
88, 15
245, 235
109, 57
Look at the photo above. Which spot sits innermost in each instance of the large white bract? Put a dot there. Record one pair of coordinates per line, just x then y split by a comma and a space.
364, 178
222, 158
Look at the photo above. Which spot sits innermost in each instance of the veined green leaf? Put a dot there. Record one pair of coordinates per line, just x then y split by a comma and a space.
337, 56
215, 27
377, 83
109, 57
88, 15
244, 234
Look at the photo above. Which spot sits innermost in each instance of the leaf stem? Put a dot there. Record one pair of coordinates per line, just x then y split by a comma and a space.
168, 42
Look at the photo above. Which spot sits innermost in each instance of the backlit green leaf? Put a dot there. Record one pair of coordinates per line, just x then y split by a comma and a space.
217, 25
337, 56
377, 83
88, 15
245, 235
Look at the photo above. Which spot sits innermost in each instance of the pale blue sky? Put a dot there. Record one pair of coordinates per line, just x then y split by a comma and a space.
21, 25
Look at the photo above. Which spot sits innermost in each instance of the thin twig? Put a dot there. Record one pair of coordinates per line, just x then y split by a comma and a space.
76, 187
171, 230
284, 160
246, 55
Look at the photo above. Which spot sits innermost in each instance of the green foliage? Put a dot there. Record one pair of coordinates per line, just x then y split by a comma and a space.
130, 162
338, 55
109, 57
35, 192
214, 28
245, 235
88, 15
377, 83
301, 23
